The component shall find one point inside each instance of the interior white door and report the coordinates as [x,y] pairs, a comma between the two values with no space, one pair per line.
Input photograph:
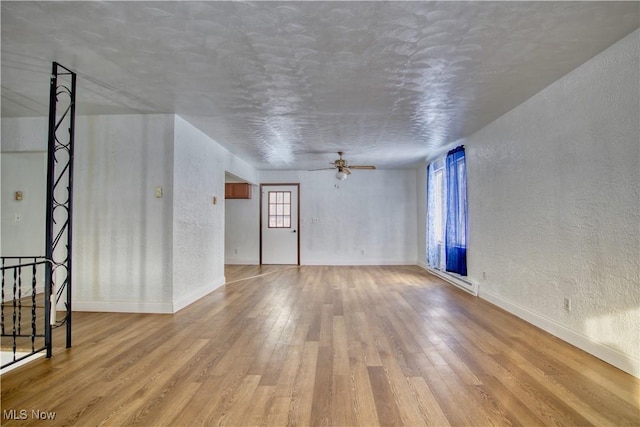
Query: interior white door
[279,225]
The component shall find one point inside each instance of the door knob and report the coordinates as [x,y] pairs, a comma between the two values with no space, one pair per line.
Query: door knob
[293,231]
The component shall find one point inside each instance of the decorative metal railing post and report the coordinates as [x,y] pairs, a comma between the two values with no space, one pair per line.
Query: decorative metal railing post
[59,198]
[2,331]
[22,296]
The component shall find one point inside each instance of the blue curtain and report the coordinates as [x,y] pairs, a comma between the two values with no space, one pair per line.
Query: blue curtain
[456,218]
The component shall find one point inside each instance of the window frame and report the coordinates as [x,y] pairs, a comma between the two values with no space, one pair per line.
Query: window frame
[279,209]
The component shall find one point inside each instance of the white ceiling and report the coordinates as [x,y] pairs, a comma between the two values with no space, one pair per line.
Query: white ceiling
[284,85]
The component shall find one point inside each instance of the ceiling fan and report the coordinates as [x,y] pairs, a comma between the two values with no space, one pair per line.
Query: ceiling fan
[343,167]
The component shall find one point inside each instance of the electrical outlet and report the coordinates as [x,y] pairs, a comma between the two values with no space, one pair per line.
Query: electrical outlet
[235,252]
[159,192]
[567,304]
[484,275]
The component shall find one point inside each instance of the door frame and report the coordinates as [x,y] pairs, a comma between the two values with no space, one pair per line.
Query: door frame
[290,184]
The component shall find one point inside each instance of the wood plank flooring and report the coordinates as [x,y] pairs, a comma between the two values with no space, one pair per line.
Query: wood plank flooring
[341,346]
[233,273]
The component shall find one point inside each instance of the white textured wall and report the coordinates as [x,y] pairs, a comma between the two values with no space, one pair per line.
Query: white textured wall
[198,224]
[122,232]
[554,206]
[22,231]
[372,211]
[24,134]
[24,144]
[122,257]
[23,221]
[239,167]
[133,251]
[242,229]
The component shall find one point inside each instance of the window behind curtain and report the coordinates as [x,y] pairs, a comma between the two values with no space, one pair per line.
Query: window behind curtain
[436,214]
[447,213]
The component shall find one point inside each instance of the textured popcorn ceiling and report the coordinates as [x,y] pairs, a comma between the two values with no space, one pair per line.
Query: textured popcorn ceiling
[285,84]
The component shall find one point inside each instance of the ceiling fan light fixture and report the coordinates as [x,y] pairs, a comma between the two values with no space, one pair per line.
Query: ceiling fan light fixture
[343,168]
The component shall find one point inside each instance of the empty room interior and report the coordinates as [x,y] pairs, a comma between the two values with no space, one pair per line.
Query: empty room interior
[320,213]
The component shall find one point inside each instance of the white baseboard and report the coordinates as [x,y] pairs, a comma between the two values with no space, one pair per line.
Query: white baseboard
[236,261]
[623,361]
[355,262]
[465,285]
[196,294]
[147,307]
[123,306]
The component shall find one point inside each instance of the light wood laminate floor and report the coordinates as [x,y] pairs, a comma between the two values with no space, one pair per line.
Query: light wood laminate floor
[339,346]
[234,273]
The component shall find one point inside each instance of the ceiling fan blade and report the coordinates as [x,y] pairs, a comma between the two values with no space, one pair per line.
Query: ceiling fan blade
[343,166]
[321,169]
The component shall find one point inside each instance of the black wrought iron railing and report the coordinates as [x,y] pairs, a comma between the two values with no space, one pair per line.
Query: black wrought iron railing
[25,308]
[62,107]
[32,287]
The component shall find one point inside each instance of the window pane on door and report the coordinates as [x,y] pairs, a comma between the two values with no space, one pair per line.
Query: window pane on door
[279,209]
